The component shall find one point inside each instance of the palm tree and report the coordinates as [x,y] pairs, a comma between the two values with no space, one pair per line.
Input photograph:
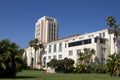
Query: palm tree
[88,54]
[85,57]
[2,65]
[41,52]
[111,21]
[116,70]
[113,29]
[31,45]
[80,57]
[35,44]
[113,64]
[110,63]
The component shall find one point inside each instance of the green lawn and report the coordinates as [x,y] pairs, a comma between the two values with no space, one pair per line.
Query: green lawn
[39,75]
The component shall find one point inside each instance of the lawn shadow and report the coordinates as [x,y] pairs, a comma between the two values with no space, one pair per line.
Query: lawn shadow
[20,77]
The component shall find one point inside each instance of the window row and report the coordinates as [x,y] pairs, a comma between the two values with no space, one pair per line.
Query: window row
[102,34]
[82,42]
[99,40]
[55,57]
[55,48]
[60,56]
[70,53]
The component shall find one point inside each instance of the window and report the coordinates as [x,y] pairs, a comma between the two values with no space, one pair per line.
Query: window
[70,53]
[100,34]
[88,41]
[102,41]
[54,47]
[49,25]
[54,57]
[54,36]
[75,43]
[44,60]
[60,57]
[49,57]
[49,48]
[103,34]
[95,40]
[45,52]
[78,51]
[65,45]
[60,47]
[54,28]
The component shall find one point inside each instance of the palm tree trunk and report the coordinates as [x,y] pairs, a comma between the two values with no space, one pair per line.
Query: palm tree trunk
[117,72]
[114,45]
[35,60]
[41,53]
[110,44]
[31,59]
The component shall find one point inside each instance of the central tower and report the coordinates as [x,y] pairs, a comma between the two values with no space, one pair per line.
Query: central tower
[46,29]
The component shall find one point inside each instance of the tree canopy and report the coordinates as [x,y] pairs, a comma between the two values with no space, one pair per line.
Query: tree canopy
[11,60]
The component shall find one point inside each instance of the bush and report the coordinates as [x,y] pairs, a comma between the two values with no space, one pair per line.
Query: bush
[81,68]
[65,65]
[98,68]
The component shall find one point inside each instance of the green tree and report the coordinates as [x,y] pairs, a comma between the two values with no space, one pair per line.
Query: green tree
[111,21]
[116,70]
[52,63]
[68,65]
[41,46]
[31,43]
[114,28]
[65,65]
[24,66]
[11,60]
[60,67]
[84,60]
[113,64]
[85,57]
[35,44]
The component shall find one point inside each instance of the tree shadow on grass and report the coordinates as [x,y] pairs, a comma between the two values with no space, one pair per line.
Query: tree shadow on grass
[20,77]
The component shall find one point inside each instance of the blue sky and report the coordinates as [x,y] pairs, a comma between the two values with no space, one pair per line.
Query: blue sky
[18,17]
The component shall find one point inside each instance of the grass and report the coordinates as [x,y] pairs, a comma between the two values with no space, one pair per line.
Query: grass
[40,75]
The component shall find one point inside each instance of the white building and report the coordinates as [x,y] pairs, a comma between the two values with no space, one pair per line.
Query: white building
[69,47]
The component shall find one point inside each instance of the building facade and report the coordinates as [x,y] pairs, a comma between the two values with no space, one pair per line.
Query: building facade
[101,41]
